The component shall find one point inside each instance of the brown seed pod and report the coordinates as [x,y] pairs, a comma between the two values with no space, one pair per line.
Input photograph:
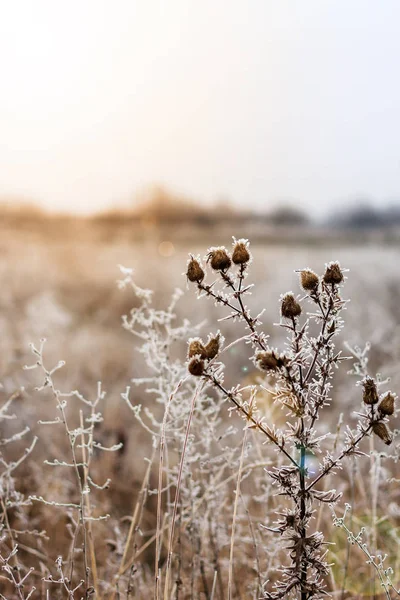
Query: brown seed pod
[194,272]
[386,406]
[212,347]
[370,392]
[219,259]
[309,280]
[382,431]
[333,273]
[196,367]
[290,308]
[240,254]
[196,348]
[270,360]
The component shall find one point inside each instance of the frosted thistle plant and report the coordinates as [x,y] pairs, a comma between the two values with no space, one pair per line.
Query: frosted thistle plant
[300,379]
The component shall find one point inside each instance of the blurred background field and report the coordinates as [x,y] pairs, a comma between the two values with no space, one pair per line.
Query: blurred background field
[59,273]
[59,277]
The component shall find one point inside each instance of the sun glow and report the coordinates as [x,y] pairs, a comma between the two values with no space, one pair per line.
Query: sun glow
[61,85]
[56,63]
[100,98]
[43,60]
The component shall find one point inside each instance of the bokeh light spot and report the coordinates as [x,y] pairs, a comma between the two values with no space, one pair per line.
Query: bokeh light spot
[166,249]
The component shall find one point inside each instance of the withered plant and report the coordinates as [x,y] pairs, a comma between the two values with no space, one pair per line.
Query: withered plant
[300,379]
[76,575]
[14,526]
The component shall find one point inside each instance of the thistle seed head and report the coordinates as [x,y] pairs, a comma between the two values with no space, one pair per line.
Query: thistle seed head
[382,431]
[196,348]
[270,360]
[212,347]
[309,280]
[194,272]
[386,406]
[196,366]
[219,259]
[290,308]
[370,392]
[240,254]
[333,273]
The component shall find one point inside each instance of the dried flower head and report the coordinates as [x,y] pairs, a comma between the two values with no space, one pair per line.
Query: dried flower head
[386,406]
[196,348]
[290,308]
[309,280]
[212,346]
[196,366]
[333,273]
[370,392]
[270,360]
[219,259]
[382,431]
[194,272]
[240,254]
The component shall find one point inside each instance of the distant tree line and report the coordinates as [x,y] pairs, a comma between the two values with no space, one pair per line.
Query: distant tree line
[365,216]
[158,207]
[163,207]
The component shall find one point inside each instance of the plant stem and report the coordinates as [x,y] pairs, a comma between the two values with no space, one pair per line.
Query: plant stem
[303,565]
[249,417]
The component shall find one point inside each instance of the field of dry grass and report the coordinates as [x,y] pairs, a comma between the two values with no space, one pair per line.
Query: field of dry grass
[64,289]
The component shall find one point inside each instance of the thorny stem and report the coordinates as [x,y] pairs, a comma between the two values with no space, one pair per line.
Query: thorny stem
[238,295]
[207,289]
[239,311]
[348,450]
[321,342]
[321,396]
[297,351]
[302,471]
[249,416]
[303,531]
[243,312]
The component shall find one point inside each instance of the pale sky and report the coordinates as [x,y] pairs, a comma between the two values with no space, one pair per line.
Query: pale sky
[255,100]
